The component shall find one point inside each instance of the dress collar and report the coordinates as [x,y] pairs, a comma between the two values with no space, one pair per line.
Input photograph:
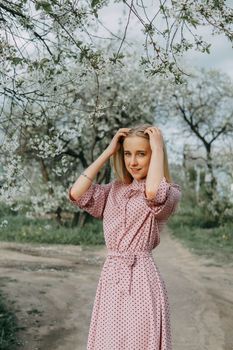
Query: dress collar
[138,184]
[135,185]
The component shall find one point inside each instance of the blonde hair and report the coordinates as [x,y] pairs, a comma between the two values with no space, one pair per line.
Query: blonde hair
[117,159]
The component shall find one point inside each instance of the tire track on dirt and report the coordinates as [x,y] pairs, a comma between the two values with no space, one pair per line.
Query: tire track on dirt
[54,286]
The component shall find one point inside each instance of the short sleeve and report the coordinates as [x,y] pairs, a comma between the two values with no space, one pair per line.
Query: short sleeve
[93,200]
[166,200]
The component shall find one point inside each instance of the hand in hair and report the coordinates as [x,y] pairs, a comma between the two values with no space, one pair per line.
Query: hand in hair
[155,137]
[117,139]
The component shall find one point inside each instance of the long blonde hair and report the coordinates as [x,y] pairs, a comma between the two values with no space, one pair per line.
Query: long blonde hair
[117,159]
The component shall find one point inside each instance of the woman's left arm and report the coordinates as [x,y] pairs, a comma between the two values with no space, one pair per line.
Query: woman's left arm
[155,171]
[165,202]
[161,197]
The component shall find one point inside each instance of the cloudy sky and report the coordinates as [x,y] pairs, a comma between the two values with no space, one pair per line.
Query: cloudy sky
[115,17]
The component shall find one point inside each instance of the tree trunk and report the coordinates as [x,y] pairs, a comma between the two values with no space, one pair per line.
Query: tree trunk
[58,216]
[211,188]
[79,219]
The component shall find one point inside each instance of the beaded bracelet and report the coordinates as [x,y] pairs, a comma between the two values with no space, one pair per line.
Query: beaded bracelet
[87,177]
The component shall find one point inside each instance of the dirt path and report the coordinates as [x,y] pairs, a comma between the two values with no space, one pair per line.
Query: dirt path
[53,287]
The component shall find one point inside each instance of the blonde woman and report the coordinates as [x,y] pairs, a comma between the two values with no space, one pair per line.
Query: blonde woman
[131,307]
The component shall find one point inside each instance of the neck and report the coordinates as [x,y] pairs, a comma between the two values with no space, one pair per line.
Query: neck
[139,180]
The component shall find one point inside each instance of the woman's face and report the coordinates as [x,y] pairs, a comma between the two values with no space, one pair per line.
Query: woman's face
[137,154]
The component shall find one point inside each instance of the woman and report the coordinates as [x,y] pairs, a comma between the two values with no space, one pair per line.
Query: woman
[131,307]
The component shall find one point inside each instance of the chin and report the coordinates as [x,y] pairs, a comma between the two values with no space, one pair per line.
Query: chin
[137,176]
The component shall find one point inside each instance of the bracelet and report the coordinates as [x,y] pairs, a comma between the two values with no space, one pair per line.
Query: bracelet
[87,177]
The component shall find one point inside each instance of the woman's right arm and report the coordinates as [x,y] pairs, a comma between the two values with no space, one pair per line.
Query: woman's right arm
[82,184]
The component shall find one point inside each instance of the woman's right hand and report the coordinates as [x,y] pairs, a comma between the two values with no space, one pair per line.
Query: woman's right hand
[115,143]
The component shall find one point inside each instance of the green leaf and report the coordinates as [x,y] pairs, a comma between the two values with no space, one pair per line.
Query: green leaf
[216,4]
[44,61]
[208,48]
[94,3]
[16,60]
[194,22]
[44,5]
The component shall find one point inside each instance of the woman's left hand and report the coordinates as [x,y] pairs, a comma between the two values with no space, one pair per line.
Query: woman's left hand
[156,137]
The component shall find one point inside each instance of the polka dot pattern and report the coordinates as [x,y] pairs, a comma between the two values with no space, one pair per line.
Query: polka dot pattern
[131,306]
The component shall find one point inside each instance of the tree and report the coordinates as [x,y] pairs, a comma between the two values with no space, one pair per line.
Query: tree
[56,143]
[51,58]
[202,109]
[35,30]
[206,108]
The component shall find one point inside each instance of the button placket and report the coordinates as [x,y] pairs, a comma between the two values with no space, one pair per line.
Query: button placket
[131,192]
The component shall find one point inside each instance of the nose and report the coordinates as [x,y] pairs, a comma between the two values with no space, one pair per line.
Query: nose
[133,161]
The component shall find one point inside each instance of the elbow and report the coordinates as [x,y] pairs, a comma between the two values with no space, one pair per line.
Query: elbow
[72,195]
[150,195]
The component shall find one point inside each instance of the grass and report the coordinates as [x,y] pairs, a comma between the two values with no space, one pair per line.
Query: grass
[24,230]
[191,227]
[189,224]
[8,327]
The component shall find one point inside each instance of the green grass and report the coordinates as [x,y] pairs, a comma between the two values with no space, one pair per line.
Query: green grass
[190,224]
[8,327]
[192,227]
[25,230]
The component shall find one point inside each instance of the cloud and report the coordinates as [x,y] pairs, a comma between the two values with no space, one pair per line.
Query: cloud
[220,56]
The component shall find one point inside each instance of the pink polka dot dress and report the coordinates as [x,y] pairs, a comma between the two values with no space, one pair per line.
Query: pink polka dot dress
[131,307]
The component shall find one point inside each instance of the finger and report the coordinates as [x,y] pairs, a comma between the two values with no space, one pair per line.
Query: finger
[157,129]
[124,129]
[122,133]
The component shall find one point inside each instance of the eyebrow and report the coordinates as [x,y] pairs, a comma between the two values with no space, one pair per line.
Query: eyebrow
[140,150]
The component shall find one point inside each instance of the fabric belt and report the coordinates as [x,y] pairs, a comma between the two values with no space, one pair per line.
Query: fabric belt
[123,268]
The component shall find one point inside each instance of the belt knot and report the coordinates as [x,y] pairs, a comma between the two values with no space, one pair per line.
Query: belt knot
[123,272]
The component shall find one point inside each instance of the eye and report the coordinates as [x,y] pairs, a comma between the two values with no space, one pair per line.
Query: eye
[141,153]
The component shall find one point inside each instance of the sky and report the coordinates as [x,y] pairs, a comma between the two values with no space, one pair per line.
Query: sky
[114,17]
[220,57]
